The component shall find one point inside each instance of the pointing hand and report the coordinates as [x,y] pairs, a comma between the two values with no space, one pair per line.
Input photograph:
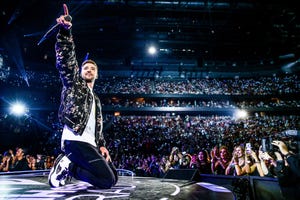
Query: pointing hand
[65,20]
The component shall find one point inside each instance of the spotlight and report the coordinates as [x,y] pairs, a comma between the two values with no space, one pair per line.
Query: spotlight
[152,50]
[241,114]
[18,109]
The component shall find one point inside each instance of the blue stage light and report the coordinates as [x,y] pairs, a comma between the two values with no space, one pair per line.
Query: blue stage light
[18,109]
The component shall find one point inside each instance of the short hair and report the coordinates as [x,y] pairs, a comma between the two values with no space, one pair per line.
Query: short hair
[89,61]
[24,150]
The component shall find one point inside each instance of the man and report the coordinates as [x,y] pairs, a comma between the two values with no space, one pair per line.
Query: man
[287,171]
[21,163]
[85,155]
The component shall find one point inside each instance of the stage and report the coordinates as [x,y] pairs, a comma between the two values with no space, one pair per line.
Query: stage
[34,185]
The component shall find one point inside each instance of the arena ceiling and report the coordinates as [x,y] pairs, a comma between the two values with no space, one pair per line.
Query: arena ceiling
[191,36]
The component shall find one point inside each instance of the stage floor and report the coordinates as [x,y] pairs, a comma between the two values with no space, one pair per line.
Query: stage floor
[35,186]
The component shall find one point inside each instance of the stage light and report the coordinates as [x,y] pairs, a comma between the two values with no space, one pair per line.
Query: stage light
[241,114]
[152,50]
[291,66]
[18,109]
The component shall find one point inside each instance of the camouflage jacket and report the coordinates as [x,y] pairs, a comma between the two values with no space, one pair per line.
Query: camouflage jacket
[76,98]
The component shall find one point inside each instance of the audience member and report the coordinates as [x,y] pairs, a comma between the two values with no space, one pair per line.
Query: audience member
[21,163]
[203,162]
[237,165]
[6,162]
[252,163]
[221,162]
[174,158]
[288,171]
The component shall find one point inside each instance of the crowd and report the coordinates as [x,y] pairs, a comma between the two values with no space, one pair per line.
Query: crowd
[143,143]
[135,137]
[150,145]
[281,84]
[21,160]
[195,103]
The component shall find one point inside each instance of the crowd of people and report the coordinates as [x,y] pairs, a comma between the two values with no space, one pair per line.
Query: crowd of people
[156,136]
[280,84]
[19,159]
[143,143]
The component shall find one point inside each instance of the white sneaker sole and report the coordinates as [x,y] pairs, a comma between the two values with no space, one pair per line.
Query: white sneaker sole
[53,182]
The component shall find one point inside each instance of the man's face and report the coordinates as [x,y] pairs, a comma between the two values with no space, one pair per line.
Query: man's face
[19,153]
[89,72]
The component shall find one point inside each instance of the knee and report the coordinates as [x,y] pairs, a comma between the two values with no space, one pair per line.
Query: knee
[107,183]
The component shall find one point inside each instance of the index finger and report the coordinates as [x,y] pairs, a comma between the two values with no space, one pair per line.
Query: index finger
[66,11]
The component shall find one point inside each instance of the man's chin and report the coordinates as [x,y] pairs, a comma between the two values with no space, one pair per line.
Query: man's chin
[88,80]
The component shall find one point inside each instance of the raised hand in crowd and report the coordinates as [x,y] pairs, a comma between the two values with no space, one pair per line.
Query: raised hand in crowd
[221,162]
[252,164]
[282,146]
[237,163]
[267,163]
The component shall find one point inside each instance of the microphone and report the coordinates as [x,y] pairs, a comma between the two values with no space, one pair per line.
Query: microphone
[53,30]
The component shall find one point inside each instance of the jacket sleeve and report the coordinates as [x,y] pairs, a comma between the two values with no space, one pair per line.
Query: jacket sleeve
[100,140]
[66,62]
[294,164]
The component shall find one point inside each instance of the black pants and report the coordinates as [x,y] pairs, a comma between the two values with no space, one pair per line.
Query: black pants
[89,165]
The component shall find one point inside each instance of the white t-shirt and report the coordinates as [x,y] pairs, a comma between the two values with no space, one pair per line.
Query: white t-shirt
[88,134]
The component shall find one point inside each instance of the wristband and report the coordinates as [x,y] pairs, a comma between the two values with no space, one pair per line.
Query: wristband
[287,155]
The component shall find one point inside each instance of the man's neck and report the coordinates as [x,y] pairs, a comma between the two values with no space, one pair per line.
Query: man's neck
[91,85]
[20,158]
